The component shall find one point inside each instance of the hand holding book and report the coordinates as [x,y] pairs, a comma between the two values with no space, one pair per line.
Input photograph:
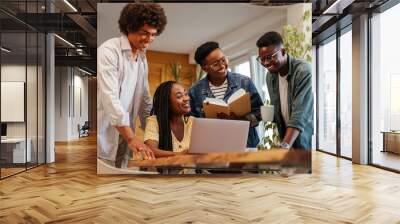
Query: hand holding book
[231,116]
[236,107]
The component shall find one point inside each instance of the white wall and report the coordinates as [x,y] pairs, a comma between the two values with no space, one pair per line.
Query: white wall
[242,41]
[12,73]
[80,115]
[70,84]
[33,127]
[62,83]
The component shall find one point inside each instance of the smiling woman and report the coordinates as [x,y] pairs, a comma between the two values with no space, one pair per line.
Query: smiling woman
[168,130]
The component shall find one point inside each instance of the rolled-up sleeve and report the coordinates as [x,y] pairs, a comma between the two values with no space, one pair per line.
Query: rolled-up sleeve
[302,103]
[108,88]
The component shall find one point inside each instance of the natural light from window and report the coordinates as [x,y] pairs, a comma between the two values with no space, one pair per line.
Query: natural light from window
[243,68]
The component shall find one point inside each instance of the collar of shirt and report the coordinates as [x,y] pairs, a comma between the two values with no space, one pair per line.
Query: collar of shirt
[125,45]
[233,83]
[222,85]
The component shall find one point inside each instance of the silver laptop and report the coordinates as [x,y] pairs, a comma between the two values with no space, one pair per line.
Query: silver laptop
[217,135]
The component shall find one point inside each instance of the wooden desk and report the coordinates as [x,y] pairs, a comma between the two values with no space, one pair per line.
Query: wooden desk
[242,161]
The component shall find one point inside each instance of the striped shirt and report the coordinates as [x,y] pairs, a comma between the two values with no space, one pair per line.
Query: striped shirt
[219,91]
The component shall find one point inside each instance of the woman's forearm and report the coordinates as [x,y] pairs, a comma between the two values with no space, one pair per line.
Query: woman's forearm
[153,145]
[162,153]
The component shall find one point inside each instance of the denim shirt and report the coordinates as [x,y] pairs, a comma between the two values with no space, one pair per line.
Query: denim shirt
[201,89]
[300,102]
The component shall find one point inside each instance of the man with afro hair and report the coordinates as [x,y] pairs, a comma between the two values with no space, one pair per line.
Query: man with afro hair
[123,89]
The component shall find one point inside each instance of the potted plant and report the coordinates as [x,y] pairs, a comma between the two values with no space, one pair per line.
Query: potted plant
[200,73]
[295,41]
[271,137]
[176,71]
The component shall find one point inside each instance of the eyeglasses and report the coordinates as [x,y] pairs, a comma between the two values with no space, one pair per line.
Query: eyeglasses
[268,58]
[215,65]
[145,33]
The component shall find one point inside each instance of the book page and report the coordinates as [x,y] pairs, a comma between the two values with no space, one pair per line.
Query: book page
[215,101]
[211,110]
[236,95]
[241,106]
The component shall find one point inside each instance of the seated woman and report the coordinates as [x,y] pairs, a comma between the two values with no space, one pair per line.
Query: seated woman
[168,130]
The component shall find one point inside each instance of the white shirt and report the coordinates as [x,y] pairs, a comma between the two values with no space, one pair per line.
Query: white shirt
[283,96]
[123,93]
[219,91]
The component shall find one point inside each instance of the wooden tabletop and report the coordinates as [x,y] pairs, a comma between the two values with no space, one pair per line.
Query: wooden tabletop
[281,157]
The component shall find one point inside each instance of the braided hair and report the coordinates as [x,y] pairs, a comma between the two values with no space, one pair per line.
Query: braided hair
[161,109]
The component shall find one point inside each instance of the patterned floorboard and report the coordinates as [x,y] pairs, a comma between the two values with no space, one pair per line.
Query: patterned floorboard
[70,191]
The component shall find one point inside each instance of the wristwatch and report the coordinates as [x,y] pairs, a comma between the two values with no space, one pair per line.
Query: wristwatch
[284,145]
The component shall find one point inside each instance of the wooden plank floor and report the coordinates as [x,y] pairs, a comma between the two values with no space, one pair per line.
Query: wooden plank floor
[70,191]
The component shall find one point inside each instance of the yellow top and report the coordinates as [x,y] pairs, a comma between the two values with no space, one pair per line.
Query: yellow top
[152,133]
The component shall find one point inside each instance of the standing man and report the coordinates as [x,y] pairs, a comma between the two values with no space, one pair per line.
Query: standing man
[123,89]
[289,86]
[221,84]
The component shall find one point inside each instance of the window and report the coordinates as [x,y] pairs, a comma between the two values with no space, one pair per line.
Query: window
[385,85]
[346,94]
[259,74]
[243,68]
[314,89]
[259,79]
[327,97]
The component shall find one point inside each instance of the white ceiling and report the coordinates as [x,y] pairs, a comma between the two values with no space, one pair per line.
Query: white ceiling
[189,24]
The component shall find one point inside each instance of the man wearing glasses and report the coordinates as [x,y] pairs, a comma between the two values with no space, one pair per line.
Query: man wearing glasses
[289,86]
[220,83]
[123,88]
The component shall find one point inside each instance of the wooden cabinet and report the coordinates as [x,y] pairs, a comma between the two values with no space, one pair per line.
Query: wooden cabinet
[391,142]
[160,71]
[156,76]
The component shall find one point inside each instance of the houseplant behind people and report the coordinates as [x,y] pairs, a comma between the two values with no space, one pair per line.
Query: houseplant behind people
[123,89]
[169,128]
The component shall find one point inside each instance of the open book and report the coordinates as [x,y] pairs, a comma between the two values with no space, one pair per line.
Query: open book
[238,103]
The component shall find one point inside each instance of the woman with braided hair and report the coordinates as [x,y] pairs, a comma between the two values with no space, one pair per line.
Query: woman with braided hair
[168,130]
